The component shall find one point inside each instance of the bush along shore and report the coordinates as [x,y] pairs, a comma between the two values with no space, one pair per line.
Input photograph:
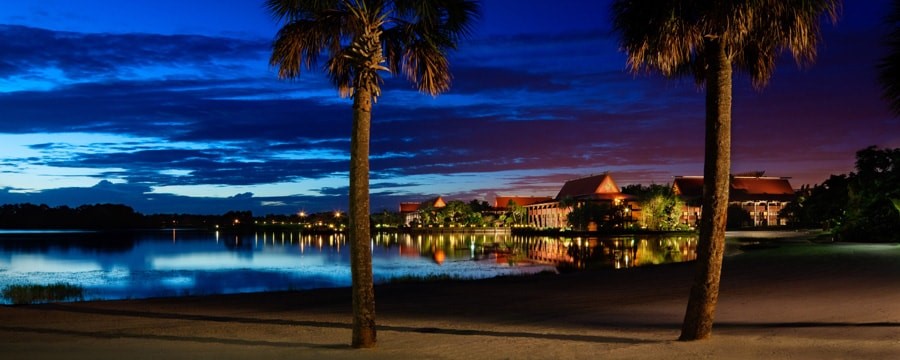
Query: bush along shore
[33,294]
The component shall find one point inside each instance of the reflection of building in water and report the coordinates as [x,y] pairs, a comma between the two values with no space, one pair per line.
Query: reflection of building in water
[547,250]
[762,197]
[615,252]
[572,253]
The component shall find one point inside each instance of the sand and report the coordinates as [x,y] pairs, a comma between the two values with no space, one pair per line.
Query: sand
[796,300]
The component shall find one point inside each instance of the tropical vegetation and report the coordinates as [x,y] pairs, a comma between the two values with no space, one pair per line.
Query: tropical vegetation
[660,207]
[360,40]
[594,216]
[859,206]
[709,40]
[473,213]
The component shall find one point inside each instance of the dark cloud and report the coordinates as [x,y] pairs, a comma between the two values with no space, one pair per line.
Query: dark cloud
[142,200]
[81,55]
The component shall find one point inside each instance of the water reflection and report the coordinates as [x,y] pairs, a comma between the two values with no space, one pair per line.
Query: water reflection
[176,262]
[618,252]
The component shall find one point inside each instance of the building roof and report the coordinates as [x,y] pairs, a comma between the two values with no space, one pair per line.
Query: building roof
[763,188]
[743,188]
[688,187]
[501,202]
[408,207]
[588,186]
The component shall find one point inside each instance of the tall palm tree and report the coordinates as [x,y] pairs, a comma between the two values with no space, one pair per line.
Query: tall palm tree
[708,39]
[889,68]
[361,39]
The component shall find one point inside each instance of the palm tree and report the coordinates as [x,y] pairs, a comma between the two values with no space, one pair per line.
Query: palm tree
[708,39]
[361,39]
[889,68]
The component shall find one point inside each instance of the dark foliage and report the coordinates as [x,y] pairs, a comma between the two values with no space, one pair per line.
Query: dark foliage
[859,206]
[738,217]
[870,213]
[99,216]
[109,217]
[604,216]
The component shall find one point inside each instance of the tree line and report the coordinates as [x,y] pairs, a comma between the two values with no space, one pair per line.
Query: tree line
[107,216]
[863,205]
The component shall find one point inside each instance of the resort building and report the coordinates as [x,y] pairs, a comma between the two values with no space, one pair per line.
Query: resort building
[594,188]
[502,203]
[409,211]
[762,197]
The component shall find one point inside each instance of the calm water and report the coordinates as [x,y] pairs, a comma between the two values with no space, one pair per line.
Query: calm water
[174,262]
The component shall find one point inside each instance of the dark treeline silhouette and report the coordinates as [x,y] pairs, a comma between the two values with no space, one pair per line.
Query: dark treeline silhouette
[109,216]
[860,206]
[103,216]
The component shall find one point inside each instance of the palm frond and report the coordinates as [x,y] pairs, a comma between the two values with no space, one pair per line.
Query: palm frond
[362,38]
[423,33]
[656,36]
[779,25]
[295,47]
[455,18]
[667,35]
[299,43]
[340,72]
[427,67]
[292,10]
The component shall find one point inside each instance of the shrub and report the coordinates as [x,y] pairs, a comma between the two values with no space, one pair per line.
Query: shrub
[31,294]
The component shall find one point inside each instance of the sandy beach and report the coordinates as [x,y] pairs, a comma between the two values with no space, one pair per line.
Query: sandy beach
[795,300]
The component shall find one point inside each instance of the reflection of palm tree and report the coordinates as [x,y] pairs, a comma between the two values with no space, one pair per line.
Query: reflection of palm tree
[708,39]
[359,38]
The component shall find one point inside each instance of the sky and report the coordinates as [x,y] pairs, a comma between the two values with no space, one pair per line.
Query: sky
[171,107]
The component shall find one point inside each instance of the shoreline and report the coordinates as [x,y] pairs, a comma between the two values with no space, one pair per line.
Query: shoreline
[798,300]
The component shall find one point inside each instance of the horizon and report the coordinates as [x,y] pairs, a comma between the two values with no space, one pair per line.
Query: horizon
[171,107]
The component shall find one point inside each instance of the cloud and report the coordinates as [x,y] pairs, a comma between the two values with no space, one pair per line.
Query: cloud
[77,56]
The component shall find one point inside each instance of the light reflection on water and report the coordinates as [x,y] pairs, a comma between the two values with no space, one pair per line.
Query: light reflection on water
[174,263]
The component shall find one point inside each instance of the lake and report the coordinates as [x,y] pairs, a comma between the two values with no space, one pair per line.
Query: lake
[144,264]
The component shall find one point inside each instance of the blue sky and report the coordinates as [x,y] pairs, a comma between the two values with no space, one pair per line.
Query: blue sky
[170,106]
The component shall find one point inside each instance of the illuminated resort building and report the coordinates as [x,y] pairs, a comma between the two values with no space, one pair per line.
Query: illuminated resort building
[409,211]
[503,203]
[552,213]
[761,196]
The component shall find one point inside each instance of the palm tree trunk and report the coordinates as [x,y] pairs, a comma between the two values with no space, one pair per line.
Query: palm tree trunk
[360,241]
[698,319]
